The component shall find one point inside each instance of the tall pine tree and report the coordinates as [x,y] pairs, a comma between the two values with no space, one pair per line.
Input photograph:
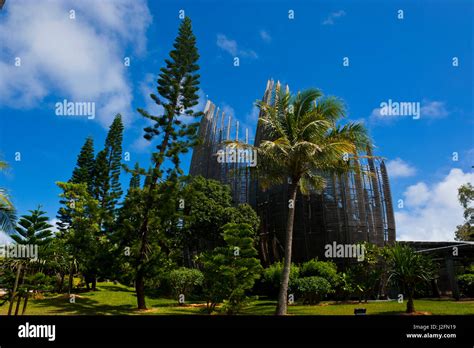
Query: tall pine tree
[178,84]
[107,189]
[135,180]
[82,173]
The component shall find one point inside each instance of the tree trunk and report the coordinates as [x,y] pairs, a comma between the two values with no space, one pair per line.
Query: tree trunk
[283,294]
[410,304]
[61,283]
[71,278]
[140,289]
[94,283]
[25,303]
[15,286]
[143,231]
[17,308]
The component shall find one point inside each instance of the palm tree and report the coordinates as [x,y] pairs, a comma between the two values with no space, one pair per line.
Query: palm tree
[7,211]
[304,142]
[407,269]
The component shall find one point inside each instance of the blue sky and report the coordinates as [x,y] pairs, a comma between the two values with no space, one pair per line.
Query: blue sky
[405,60]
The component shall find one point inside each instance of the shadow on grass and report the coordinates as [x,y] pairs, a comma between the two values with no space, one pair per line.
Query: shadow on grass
[82,306]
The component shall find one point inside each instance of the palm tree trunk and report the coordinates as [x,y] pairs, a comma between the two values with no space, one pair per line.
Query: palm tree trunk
[283,294]
[410,303]
[15,286]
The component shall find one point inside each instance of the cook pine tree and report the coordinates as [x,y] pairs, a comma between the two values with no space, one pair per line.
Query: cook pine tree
[178,85]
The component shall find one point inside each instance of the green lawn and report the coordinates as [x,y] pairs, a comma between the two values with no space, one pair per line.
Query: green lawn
[111,299]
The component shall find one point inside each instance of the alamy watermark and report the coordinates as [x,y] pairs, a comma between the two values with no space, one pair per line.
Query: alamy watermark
[22,251]
[232,154]
[394,108]
[69,108]
[335,250]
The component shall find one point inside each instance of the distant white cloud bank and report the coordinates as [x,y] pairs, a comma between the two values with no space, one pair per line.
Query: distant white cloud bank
[79,59]
[432,212]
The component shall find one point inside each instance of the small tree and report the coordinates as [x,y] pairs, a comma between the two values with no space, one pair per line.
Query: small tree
[231,270]
[82,235]
[206,207]
[408,269]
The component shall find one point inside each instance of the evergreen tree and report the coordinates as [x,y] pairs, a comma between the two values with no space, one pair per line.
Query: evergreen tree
[82,173]
[177,86]
[33,229]
[107,188]
[231,270]
[82,237]
[135,180]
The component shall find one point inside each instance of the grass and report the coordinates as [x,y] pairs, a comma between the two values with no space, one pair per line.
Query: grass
[116,299]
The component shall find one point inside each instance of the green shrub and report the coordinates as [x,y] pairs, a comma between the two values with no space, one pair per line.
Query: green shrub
[184,280]
[323,269]
[313,289]
[272,277]
[466,284]
[469,269]
[347,286]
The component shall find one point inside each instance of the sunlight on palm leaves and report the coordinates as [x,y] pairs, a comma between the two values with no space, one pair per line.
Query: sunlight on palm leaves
[304,141]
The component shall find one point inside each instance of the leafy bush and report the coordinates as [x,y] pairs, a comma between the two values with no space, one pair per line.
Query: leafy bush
[466,284]
[184,280]
[469,269]
[272,277]
[323,269]
[313,289]
[347,286]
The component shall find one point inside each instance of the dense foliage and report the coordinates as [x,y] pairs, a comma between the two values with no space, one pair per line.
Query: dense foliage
[231,270]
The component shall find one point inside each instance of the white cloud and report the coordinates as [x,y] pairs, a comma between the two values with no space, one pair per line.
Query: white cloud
[417,195]
[398,168]
[436,213]
[433,109]
[226,44]
[148,86]
[265,36]
[4,239]
[228,111]
[54,222]
[330,19]
[252,116]
[141,144]
[76,59]
[428,110]
[231,47]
